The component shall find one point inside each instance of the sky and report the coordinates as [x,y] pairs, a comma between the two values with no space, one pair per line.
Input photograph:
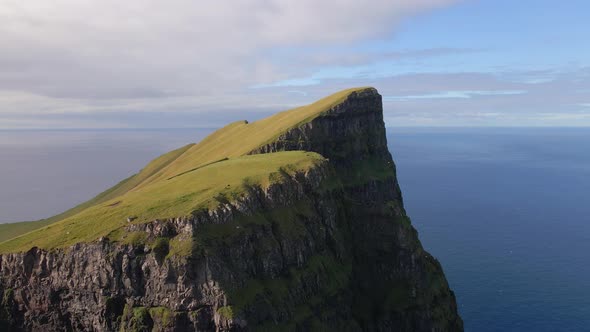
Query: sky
[186,63]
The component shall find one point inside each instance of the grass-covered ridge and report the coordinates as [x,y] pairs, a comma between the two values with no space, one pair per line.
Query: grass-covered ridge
[176,197]
[8,231]
[239,138]
[162,179]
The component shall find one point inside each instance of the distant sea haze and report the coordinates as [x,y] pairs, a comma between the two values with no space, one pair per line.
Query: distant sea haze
[505,210]
[47,172]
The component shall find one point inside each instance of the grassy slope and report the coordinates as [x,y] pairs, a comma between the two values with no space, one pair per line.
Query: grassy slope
[166,199]
[8,231]
[240,137]
[124,186]
[232,141]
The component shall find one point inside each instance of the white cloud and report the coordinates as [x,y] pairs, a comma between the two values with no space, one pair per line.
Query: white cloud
[455,94]
[104,49]
[70,62]
[18,102]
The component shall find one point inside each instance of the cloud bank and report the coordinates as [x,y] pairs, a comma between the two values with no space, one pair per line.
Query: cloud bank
[130,49]
[86,63]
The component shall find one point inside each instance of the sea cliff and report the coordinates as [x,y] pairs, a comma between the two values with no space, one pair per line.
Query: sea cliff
[325,247]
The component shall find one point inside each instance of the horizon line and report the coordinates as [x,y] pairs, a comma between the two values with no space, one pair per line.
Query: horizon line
[219,127]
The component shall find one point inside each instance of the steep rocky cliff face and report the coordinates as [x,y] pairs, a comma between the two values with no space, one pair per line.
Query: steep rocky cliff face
[326,249]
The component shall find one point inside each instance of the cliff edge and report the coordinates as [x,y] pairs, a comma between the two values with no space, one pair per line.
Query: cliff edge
[291,223]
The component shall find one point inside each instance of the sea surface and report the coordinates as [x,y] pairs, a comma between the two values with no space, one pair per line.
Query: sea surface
[505,210]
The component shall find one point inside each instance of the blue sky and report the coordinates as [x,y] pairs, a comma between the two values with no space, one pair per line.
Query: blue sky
[181,64]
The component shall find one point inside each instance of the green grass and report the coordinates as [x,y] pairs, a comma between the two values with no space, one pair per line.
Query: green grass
[161,248]
[11,230]
[140,319]
[124,186]
[176,183]
[177,197]
[287,221]
[241,137]
[163,314]
[180,247]
[325,269]
[361,172]
[226,312]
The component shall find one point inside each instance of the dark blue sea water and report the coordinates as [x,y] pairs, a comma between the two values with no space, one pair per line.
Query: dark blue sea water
[506,211]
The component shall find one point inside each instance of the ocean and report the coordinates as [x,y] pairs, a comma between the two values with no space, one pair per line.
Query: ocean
[505,210]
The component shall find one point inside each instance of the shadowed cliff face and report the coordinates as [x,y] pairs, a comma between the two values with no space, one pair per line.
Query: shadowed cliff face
[350,131]
[327,249]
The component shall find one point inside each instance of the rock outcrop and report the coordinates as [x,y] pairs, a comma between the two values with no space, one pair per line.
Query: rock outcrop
[326,249]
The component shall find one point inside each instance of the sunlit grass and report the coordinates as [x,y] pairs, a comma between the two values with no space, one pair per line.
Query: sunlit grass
[177,197]
[177,182]
[239,138]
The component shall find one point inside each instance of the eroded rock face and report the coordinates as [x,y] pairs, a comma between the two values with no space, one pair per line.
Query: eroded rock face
[327,249]
[349,132]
